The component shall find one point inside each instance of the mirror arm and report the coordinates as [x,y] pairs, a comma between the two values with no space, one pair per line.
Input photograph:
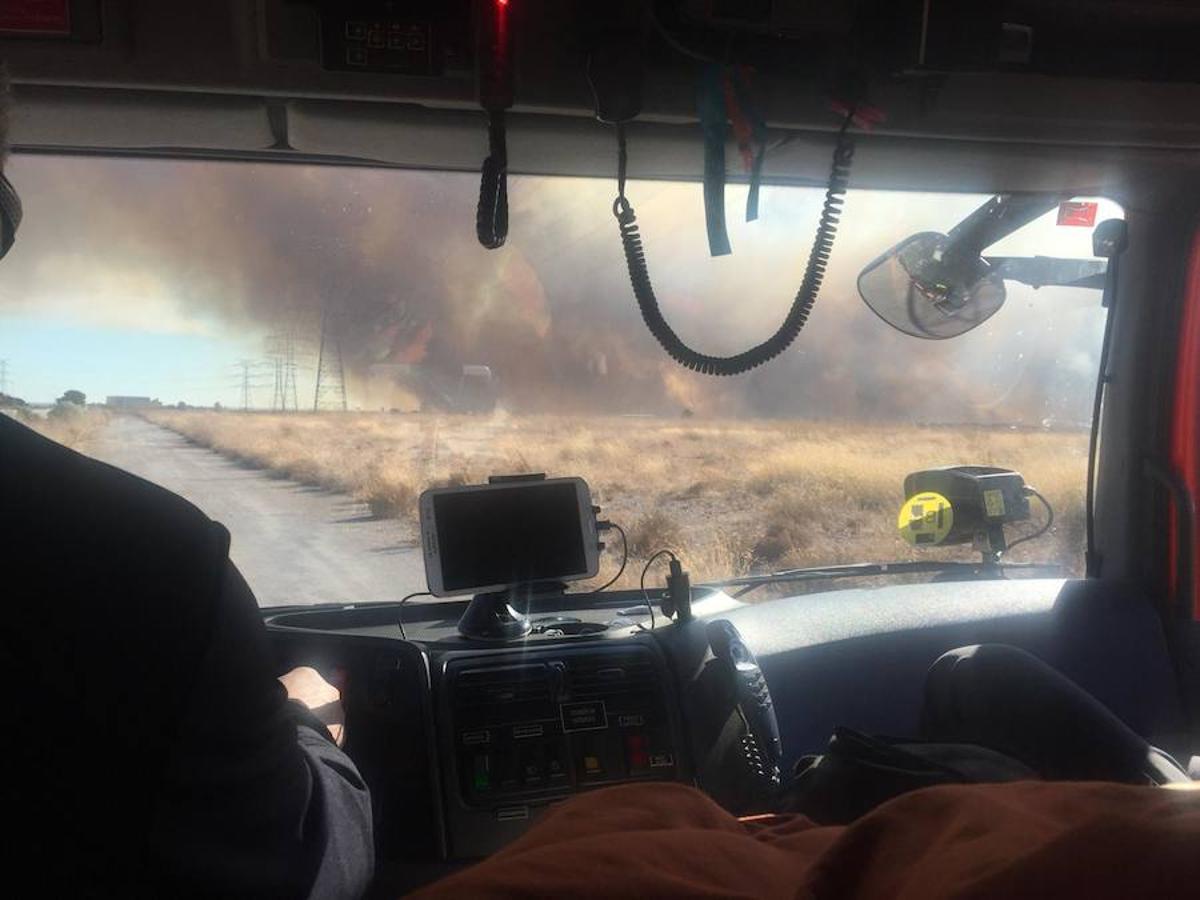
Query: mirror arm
[1046,271]
[997,218]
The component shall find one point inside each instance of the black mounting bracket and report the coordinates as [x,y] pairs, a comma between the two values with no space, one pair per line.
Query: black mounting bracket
[493,617]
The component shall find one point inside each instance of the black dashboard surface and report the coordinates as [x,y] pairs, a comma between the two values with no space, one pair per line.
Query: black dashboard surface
[848,657]
[859,657]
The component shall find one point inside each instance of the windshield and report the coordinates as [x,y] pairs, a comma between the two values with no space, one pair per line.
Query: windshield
[300,350]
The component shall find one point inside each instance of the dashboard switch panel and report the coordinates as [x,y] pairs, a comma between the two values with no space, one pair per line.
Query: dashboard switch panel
[526,732]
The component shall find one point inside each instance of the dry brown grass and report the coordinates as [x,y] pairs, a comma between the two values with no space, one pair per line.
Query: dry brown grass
[71,426]
[730,496]
[656,530]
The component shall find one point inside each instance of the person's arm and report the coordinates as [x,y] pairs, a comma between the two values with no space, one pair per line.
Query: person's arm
[256,800]
[315,701]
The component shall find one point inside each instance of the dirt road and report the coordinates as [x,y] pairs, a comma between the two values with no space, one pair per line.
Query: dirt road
[294,543]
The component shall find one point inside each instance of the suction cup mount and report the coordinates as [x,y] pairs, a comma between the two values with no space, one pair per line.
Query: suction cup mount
[494,617]
[490,617]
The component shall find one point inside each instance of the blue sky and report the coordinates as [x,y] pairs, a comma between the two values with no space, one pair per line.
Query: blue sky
[47,357]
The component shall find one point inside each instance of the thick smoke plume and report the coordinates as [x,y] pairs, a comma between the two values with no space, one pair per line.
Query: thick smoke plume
[391,257]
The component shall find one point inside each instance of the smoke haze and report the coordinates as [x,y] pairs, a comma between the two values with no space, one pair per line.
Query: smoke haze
[216,249]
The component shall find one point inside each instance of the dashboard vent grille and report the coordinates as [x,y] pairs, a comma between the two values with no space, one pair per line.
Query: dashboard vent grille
[491,687]
[601,676]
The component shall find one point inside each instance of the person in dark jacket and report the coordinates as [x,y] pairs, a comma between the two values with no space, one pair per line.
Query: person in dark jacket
[151,750]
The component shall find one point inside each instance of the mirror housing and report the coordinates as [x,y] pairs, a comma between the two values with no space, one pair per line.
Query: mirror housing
[927,287]
[938,286]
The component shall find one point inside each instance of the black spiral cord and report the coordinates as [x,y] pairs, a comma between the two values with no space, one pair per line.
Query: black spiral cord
[818,261]
[491,216]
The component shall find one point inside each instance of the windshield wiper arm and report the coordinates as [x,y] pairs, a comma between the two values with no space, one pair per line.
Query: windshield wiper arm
[980,569]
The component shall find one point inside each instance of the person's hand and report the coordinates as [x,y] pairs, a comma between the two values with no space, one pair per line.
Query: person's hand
[305,685]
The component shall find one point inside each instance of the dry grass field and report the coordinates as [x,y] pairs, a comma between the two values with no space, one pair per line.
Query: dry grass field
[71,426]
[730,497]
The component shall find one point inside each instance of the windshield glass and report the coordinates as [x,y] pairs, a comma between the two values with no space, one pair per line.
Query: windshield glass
[300,350]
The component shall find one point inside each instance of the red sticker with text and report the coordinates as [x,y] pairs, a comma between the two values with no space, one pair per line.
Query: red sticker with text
[1077,212]
[36,16]
[42,17]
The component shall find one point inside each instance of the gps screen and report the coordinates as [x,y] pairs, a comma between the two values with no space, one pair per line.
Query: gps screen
[510,535]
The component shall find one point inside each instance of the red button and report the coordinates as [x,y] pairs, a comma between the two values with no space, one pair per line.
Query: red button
[635,751]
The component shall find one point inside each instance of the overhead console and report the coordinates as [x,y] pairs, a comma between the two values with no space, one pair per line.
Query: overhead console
[279,77]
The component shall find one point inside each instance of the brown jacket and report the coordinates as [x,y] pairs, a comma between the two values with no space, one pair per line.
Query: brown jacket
[1023,839]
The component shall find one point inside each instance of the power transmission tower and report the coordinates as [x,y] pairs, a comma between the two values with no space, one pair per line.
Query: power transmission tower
[289,382]
[245,365]
[281,352]
[277,397]
[331,374]
[3,376]
[247,379]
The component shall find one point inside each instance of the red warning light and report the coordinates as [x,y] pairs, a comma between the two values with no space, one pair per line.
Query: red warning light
[502,2]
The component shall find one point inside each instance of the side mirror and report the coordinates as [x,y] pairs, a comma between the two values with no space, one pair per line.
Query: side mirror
[929,287]
[1110,239]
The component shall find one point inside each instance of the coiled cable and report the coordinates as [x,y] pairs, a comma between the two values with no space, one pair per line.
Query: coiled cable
[810,287]
[491,215]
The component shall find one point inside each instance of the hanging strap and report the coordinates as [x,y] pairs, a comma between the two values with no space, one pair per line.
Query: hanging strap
[749,128]
[710,102]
